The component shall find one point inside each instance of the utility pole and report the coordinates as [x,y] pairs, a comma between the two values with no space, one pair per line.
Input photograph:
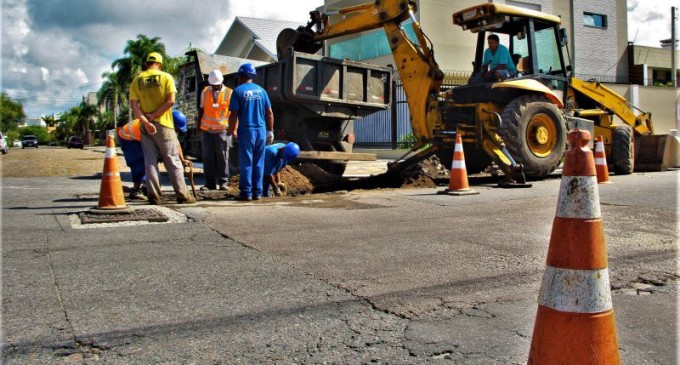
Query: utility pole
[673,40]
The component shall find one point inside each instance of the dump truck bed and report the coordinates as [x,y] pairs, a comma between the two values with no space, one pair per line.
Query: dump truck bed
[315,100]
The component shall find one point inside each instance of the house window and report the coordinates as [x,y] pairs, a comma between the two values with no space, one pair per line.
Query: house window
[594,20]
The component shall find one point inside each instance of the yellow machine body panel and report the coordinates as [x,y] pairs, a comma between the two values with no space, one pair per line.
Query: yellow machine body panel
[530,85]
[611,102]
[494,14]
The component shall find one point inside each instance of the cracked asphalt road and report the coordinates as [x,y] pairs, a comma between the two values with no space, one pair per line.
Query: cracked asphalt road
[392,276]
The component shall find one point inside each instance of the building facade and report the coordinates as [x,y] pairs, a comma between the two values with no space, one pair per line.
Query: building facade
[597,35]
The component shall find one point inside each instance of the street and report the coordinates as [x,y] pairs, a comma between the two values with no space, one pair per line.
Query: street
[391,276]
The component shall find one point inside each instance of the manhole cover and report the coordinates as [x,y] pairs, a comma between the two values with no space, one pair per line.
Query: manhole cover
[136,215]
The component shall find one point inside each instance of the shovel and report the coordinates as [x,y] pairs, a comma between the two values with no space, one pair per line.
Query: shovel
[190,175]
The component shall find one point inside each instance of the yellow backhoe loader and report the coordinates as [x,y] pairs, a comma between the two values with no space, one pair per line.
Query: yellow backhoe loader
[519,123]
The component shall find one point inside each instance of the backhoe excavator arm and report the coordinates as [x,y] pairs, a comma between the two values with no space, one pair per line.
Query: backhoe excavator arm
[611,101]
[414,62]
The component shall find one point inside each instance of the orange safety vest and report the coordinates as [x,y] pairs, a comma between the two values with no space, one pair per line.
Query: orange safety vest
[131,131]
[215,118]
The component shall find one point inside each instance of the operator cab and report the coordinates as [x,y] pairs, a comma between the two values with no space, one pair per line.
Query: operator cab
[534,40]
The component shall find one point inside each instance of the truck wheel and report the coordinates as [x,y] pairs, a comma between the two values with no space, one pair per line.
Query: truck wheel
[622,150]
[476,160]
[535,134]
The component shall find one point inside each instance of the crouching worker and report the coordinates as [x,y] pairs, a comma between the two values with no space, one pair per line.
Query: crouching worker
[276,157]
[130,141]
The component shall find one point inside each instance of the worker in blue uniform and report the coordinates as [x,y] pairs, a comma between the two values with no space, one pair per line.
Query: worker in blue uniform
[276,157]
[252,120]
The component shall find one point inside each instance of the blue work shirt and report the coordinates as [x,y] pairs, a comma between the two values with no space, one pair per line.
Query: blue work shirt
[250,102]
[273,164]
[500,57]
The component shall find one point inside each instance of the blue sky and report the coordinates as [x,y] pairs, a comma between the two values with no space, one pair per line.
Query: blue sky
[54,52]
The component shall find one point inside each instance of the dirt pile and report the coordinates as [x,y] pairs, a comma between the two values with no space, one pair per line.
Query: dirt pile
[297,182]
[308,178]
[421,175]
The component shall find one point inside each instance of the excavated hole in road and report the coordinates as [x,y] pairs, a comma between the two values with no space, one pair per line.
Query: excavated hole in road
[307,178]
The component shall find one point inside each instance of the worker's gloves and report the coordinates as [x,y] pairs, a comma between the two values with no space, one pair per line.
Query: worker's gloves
[230,141]
[270,137]
[283,187]
[277,191]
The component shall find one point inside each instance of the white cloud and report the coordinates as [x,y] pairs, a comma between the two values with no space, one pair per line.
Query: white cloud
[650,21]
[54,52]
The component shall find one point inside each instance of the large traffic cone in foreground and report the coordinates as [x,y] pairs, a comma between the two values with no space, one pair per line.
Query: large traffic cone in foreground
[601,163]
[575,318]
[111,190]
[458,182]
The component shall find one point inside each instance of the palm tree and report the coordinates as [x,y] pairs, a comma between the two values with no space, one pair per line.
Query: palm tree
[136,51]
[66,123]
[106,121]
[111,93]
[86,114]
[50,120]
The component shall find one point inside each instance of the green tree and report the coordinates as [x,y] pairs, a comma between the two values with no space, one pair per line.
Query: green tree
[106,121]
[85,117]
[135,58]
[11,113]
[173,64]
[66,124]
[112,94]
[39,132]
[124,116]
[50,120]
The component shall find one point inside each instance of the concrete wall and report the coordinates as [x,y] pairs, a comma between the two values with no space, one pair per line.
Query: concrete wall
[653,57]
[599,51]
[454,48]
[660,101]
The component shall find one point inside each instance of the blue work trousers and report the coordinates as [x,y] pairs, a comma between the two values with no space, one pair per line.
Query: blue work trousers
[251,143]
[134,158]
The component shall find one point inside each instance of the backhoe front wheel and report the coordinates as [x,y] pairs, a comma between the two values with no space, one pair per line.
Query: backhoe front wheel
[535,134]
[622,150]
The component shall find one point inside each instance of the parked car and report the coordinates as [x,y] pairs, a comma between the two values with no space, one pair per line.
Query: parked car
[29,140]
[75,142]
[16,143]
[3,144]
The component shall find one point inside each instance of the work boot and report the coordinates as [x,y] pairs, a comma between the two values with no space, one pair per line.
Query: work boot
[223,187]
[137,194]
[188,200]
[207,188]
[242,198]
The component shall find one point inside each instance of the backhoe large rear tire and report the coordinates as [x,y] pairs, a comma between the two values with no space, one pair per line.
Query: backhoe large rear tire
[535,134]
[476,160]
[622,150]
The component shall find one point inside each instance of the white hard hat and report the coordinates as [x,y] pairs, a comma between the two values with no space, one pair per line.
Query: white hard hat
[215,77]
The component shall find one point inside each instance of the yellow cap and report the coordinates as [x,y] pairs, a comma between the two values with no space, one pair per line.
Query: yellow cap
[154,57]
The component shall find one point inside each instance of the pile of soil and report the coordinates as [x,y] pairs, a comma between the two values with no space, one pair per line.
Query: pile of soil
[422,175]
[307,178]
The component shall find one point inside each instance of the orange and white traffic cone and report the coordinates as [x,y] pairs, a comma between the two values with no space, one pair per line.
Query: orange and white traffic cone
[111,190]
[458,182]
[575,318]
[601,163]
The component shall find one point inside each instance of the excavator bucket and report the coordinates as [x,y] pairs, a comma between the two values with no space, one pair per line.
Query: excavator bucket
[301,40]
[656,152]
